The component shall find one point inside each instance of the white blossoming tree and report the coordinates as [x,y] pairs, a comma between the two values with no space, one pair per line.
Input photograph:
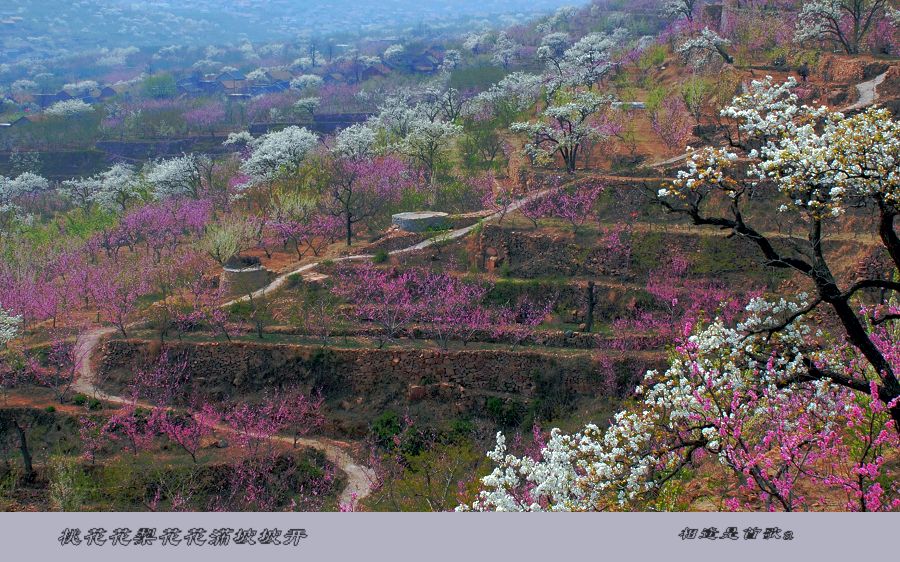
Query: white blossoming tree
[69,108]
[517,91]
[356,142]
[564,129]
[821,163]
[412,124]
[845,22]
[307,82]
[11,190]
[393,53]
[113,189]
[678,9]
[278,154]
[504,50]
[741,397]
[707,47]
[427,143]
[9,327]
[182,176]
[552,50]
[239,140]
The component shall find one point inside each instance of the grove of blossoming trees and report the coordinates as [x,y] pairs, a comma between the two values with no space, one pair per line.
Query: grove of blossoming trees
[208,300]
[779,399]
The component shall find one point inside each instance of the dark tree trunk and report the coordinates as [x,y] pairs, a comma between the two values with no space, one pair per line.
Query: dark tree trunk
[23,448]
[591,303]
[349,229]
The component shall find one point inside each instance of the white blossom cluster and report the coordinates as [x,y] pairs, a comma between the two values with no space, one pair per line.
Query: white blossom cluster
[177,177]
[817,158]
[239,139]
[356,141]
[410,123]
[26,182]
[307,82]
[705,167]
[582,64]
[769,110]
[277,153]
[566,126]
[9,327]
[519,89]
[703,49]
[112,189]
[80,88]
[504,50]
[679,8]
[68,108]
[13,188]
[23,86]
[595,470]
[393,52]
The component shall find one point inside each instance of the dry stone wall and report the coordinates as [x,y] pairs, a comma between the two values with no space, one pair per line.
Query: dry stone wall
[225,370]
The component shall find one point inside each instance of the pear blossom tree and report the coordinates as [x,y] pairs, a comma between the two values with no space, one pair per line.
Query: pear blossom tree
[729,396]
[12,191]
[679,9]
[589,59]
[565,129]
[427,143]
[552,50]
[113,189]
[69,109]
[355,142]
[705,48]
[9,327]
[845,22]
[504,50]
[393,53]
[278,154]
[821,163]
[181,176]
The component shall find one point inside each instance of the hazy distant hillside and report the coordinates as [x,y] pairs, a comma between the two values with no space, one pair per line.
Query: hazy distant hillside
[33,27]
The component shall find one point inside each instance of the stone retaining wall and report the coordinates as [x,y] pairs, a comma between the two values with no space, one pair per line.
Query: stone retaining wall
[223,370]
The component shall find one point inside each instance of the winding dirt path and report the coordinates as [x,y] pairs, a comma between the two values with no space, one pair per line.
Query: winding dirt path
[359,477]
[282,278]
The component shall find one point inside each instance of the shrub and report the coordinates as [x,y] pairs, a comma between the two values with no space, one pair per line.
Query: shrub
[504,414]
[385,428]
[381,256]
[652,57]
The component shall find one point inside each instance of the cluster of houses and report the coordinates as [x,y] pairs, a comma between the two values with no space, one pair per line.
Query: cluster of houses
[234,83]
[92,96]
[237,85]
[45,100]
